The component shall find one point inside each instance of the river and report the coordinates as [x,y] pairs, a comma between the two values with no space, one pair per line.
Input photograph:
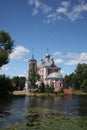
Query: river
[13,109]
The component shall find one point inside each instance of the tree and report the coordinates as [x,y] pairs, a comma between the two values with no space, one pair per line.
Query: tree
[15,82]
[77,79]
[18,82]
[22,82]
[5,85]
[81,73]
[6,46]
[33,77]
[84,85]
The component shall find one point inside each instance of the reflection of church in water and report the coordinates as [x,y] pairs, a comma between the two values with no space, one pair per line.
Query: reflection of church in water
[48,71]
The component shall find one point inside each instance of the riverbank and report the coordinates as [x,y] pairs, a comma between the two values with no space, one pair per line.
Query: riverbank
[21,93]
[79,92]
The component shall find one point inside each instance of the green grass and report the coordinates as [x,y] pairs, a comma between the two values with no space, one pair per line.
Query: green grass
[79,92]
[74,92]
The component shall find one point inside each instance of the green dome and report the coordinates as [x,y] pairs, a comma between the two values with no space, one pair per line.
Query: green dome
[55,75]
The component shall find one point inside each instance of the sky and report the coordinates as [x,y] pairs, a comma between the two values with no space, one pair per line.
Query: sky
[38,27]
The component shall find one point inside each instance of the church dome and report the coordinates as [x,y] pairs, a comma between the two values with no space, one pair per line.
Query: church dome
[47,56]
[55,75]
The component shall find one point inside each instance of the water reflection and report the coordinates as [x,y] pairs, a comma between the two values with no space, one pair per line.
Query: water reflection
[66,105]
[5,107]
[12,109]
[82,105]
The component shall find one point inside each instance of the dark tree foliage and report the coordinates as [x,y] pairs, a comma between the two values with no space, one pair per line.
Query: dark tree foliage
[5,85]
[84,85]
[3,57]
[81,73]
[78,78]
[71,81]
[42,87]
[6,46]
[22,82]
[18,82]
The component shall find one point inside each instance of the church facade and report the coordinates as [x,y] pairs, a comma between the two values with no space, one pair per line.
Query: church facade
[48,71]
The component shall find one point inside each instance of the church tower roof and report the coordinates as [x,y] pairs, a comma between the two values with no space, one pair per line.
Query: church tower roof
[32,59]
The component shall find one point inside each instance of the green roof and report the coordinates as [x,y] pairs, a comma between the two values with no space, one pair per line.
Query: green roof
[55,75]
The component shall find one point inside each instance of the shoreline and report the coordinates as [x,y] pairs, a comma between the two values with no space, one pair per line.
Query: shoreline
[25,93]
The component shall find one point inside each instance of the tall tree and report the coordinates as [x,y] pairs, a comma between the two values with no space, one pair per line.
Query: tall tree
[81,73]
[6,46]
[33,77]
[22,82]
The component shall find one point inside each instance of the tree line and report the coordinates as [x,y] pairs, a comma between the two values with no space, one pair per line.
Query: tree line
[8,85]
[77,79]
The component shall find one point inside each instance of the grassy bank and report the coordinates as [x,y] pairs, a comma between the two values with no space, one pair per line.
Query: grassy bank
[21,93]
[79,92]
[74,92]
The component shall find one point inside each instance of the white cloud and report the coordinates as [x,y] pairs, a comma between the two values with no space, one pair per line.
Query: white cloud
[72,55]
[58,61]
[57,53]
[63,72]
[5,68]
[39,6]
[65,4]
[72,12]
[65,9]
[62,10]
[70,58]
[18,52]
[80,58]
[35,11]
[77,11]
[83,57]
[71,62]
[30,2]
[51,18]
[46,9]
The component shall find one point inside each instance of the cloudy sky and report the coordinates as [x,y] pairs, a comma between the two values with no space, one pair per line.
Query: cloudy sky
[59,25]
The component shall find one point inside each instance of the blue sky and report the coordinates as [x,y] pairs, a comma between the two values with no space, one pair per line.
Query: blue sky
[59,25]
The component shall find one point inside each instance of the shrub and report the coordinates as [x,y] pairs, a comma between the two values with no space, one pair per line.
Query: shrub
[49,89]
[42,88]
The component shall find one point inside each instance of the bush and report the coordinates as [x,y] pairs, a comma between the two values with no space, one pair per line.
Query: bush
[42,88]
[49,89]
[5,85]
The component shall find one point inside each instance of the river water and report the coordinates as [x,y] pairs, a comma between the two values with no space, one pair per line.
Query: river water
[13,109]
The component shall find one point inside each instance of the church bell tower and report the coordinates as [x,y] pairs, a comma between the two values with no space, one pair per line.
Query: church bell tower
[32,64]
